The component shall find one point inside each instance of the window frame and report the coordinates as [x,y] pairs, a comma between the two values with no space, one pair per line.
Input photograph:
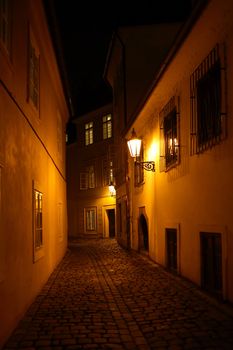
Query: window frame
[38,232]
[33,90]
[87,178]
[170,134]
[90,226]
[208,122]
[107,126]
[89,133]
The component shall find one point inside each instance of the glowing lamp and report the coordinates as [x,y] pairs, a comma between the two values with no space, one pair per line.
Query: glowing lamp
[134,146]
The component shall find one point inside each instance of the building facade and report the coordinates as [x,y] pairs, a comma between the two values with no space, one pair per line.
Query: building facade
[134,57]
[33,115]
[90,172]
[181,214]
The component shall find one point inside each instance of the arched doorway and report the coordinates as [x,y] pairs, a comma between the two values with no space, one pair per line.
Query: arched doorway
[143,233]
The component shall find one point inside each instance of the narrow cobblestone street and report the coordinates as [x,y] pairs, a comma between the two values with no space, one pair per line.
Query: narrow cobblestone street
[103,297]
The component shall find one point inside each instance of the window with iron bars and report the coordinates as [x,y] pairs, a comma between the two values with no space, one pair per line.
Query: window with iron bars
[169,135]
[208,105]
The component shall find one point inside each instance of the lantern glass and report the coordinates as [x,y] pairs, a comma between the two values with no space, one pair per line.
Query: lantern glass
[134,145]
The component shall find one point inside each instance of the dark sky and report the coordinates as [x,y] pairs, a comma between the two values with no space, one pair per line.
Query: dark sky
[86,28]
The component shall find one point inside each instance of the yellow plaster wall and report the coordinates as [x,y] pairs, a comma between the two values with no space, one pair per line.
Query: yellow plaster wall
[197,195]
[28,153]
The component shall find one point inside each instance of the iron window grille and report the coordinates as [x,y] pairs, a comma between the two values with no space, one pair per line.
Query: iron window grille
[208,102]
[169,135]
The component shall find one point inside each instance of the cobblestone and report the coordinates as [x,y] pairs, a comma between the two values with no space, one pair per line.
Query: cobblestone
[104,297]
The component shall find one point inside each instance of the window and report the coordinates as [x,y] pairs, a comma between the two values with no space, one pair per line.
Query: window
[87,178]
[5,27]
[90,217]
[107,170]
[107,126]
[91,176]
[83,181]
[138,169]
[169,134]
[33,73]
[37,224]
[208,120]
[88,133]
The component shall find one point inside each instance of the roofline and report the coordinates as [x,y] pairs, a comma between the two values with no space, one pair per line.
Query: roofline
[109,54]
[181,36]
[59,52]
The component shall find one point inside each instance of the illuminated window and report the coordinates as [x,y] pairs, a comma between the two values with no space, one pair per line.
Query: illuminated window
[37,223]
[88,133]
[208,122]
[5,27]
[87,178]
[107,126]
[107,170]
[33,73]
[90,217]
[170,138]
[91,176]
[169,134]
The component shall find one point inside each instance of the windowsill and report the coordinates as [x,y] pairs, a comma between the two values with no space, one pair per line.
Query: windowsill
[38,254]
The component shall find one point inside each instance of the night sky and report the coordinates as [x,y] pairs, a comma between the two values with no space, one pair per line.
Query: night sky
[85,30]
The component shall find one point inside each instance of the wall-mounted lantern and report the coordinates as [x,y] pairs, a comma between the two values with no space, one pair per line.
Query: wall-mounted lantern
[112,189]
[134,145]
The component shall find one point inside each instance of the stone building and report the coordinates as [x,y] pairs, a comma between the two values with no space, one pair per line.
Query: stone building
[181,214]
[33,115]
[90,172]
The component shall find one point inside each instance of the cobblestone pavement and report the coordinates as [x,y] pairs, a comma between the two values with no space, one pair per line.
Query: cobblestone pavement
[103,297]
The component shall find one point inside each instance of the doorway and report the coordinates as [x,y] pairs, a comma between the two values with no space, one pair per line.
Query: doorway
[143,234]
[211,262]
[109,225]
[171,249]
[111,222]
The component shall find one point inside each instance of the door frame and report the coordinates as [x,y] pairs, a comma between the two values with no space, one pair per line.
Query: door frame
[105,208]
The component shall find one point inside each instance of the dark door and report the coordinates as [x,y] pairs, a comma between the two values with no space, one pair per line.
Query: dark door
[143,233]
[171,239]
[211,262]
[111,222]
